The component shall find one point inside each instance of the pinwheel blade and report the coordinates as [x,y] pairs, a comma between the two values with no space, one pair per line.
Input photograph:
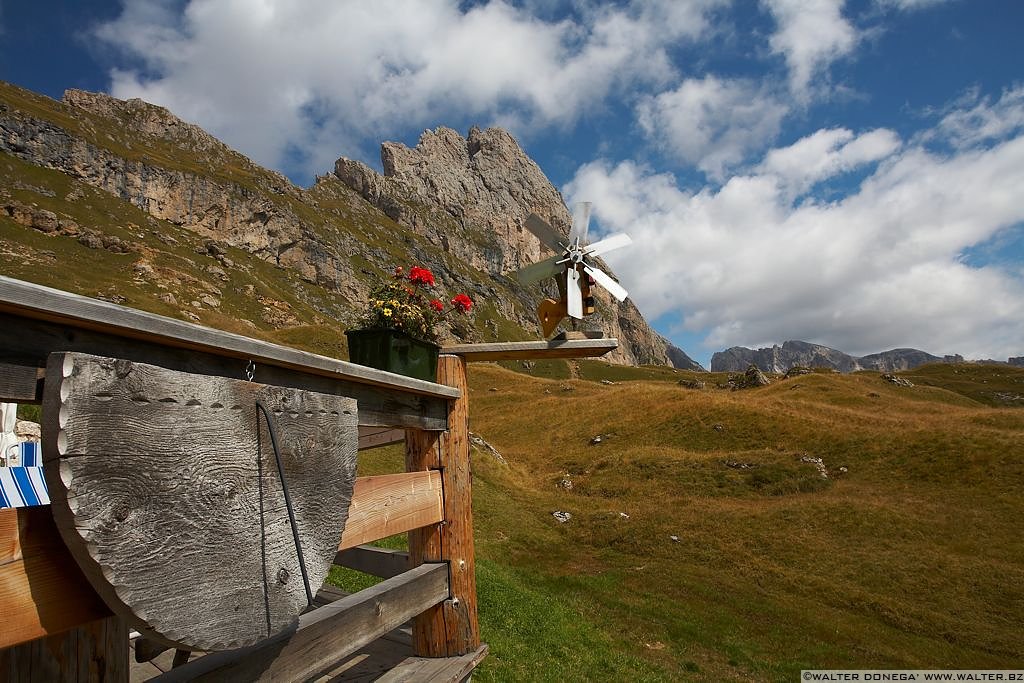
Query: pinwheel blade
[547,235]
[580,222]
[608,243]
[602,278]
[540,270]
[573,295]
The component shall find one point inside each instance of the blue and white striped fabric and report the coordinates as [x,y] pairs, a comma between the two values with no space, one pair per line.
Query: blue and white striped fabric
[31,455]
[22,487]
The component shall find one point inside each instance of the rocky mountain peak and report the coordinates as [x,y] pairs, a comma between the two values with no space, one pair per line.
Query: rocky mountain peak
[471,195]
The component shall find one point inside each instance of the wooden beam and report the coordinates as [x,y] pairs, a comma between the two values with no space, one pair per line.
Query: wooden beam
[21,383]
[43,592]
[325,635]
[375,437]
[389,504]
[449,629]
[36,302]
[382,562]
[535,350]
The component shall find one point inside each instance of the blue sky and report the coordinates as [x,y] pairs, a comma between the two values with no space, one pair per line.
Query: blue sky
[843,172]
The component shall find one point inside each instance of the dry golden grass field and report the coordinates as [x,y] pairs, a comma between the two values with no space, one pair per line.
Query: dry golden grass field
[705,544]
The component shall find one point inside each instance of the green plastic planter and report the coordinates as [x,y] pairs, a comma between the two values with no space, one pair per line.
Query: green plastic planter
[393,351]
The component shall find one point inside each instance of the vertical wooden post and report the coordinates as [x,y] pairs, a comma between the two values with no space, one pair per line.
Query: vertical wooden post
[449,629]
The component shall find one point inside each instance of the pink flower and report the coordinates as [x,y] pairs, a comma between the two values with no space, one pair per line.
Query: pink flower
[462,302]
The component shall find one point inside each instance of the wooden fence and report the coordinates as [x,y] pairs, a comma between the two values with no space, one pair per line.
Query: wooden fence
[55,625]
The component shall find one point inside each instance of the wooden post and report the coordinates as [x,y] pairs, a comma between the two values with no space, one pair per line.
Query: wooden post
[449,629]
[96,652]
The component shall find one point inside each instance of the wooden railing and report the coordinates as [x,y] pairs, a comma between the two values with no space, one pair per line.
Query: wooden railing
[54,623]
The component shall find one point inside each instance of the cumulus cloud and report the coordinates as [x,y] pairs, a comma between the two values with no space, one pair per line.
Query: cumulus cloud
[879,269]
[712,123]
[810,35]
[825,154]
[282,79]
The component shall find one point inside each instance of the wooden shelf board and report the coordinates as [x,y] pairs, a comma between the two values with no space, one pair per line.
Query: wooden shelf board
[534,350]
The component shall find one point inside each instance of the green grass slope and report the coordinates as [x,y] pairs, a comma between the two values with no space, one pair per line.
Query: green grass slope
[911,557]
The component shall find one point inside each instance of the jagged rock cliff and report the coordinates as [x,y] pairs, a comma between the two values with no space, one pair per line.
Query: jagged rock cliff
[803,354]
[455,204]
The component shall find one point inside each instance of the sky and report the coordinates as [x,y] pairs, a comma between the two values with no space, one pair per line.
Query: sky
[845,172]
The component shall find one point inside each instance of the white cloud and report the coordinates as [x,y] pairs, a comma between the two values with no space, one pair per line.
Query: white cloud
[910,5]
[712,123]
[974,119]
[282,77]
[882,268]
[825,154]
[810,35]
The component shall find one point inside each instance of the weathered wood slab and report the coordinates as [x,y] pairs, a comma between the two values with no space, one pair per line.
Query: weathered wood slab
[535,350]
[166,491]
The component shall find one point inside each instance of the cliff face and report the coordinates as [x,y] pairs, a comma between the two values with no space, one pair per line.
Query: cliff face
[454,204]
[471,195]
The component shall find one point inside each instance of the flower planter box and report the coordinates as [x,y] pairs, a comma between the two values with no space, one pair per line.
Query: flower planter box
[393,351]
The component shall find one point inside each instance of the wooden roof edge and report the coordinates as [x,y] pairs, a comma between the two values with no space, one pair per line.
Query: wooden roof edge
[38,302]
[534,350]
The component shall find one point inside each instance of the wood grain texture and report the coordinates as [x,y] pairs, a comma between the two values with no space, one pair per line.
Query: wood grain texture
[326,635]
[34,301]
[96,652]
[389,504]
[382,562]
[42,590]
[451,628]
[375,437]
[166,491]
[20,383]
[535,350]
[27,341]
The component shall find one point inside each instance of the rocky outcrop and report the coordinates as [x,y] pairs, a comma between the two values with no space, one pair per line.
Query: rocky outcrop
[471,195]
[779,359]
[680,360]
[791,354]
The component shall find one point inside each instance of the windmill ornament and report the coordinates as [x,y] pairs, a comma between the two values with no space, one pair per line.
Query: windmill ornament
[570,267]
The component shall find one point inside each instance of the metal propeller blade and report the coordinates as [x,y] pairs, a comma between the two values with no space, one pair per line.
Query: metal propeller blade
[573,295]
[538,271]
[602,278]
[544,232]
[580,222]
[608,243]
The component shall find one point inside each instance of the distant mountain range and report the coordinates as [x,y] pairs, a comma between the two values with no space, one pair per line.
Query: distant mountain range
[800,353]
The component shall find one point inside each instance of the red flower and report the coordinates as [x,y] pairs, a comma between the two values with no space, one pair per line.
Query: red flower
[437,305]
[462,302]
[421,276]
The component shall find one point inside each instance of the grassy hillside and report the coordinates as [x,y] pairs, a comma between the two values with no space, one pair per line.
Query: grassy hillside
[911,557]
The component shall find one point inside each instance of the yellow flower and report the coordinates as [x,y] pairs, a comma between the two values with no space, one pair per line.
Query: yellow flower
[387,312]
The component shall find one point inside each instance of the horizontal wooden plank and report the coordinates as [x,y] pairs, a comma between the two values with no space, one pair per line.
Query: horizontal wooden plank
[42,590]
[20,383]
[327,634]
[533,350]
[32,301]
[375,437]
[389,504]
[382,562]
[435,669]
